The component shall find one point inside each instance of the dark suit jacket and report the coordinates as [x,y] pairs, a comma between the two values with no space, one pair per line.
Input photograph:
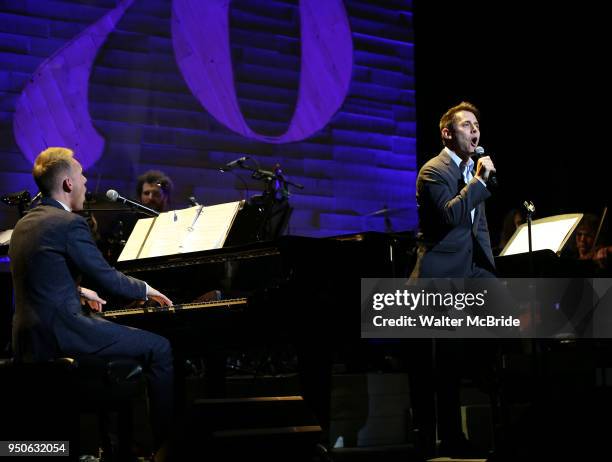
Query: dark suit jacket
[448,240]
[50,248]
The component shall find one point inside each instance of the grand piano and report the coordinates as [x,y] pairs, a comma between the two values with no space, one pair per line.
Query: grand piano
[286,284]
[293,290]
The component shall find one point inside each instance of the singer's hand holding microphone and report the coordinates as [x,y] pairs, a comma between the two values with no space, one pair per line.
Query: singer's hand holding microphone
[485,169]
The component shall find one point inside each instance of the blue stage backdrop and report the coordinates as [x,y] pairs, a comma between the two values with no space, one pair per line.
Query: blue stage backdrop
[324,88]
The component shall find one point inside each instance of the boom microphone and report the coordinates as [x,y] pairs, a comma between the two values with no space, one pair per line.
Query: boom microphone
[114,196]
[233,163]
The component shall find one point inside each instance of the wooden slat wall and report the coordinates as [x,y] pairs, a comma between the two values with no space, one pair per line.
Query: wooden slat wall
[363,159]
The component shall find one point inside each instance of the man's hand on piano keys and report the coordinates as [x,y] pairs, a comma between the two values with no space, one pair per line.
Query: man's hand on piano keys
[158,296]
[91,299]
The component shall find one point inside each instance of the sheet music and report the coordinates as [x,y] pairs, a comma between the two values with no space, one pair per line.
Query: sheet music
[5,236]
[180,231]
[137,238]
[168,233]
[547,233]
[210,228]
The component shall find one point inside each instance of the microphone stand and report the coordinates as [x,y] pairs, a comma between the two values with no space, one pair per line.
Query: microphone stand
[138,207]
[274,200]
[269,177]
[530,208]
[134,210]
[134,206]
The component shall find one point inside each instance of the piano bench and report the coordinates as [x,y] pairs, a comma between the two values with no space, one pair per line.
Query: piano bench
[45,400]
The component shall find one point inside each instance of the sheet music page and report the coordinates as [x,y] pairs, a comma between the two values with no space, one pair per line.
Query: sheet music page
[169,232]
[210,229]
[136,239]
[5,236]
[179,231]
[547,235]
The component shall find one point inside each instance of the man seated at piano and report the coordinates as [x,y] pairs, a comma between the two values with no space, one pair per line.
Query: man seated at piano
[51,248]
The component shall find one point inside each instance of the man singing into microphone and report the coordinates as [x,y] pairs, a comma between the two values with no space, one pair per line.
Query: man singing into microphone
[453,242]
[453,233]
[50,249]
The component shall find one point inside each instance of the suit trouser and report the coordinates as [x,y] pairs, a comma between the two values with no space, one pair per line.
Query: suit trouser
[436,368]
[155,353]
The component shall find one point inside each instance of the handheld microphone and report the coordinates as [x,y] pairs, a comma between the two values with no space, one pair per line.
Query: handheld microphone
[233,163]
[114,196]
[480,151]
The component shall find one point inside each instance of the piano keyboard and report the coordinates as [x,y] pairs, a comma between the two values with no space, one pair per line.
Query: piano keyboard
[145,310]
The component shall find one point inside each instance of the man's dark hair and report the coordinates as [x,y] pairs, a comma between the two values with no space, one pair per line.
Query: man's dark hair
[446,121]
[155,177]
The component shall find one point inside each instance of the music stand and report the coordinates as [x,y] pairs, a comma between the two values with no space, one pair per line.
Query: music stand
[549,237]
[550,233]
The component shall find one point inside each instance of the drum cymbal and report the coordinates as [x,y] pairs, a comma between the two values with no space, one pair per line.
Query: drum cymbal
[387,212]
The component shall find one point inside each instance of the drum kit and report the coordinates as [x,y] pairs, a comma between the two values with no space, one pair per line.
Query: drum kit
[387,213]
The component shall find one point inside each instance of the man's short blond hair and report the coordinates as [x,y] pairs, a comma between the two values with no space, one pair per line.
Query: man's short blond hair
[49,166]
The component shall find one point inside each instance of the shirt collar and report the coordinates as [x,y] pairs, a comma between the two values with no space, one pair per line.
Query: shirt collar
[64,205]
[458,161]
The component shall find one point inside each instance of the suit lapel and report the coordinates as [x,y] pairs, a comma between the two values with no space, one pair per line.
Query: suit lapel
[452,169]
